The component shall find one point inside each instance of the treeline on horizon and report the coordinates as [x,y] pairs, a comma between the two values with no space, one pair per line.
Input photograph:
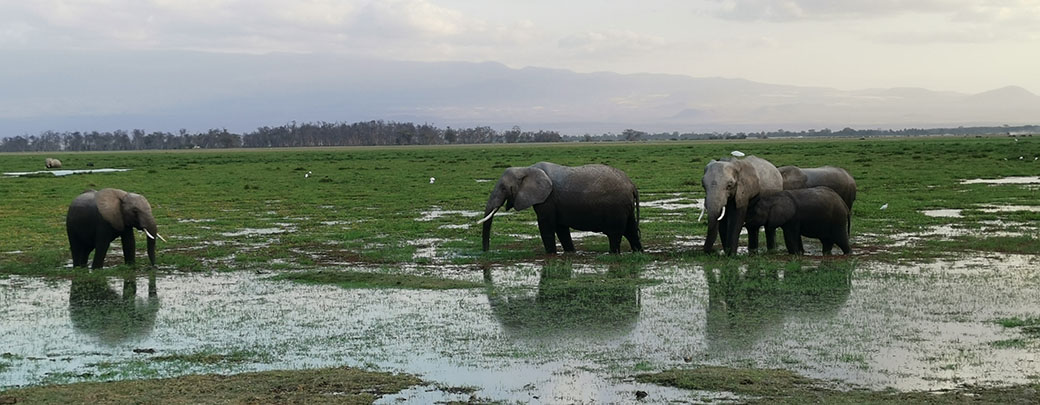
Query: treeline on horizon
[373,133]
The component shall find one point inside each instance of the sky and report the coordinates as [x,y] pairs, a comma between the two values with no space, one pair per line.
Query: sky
[956,45]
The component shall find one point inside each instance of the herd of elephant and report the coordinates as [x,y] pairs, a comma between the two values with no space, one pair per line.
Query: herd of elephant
[747,192]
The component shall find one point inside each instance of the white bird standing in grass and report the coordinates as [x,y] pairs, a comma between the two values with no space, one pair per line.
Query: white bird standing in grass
[737,153]
[884,206]
[432,180]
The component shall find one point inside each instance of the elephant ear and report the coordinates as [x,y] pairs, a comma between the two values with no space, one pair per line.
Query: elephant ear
[534,189]
[109,205]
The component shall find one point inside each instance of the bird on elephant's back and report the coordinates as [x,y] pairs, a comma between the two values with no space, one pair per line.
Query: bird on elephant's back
[594,198]
[96,218]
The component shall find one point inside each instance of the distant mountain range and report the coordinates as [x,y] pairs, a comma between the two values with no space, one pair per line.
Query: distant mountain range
[90,90]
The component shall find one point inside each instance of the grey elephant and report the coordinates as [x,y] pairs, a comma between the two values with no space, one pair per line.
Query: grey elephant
[816,212]
[594,198]
[836,178]
[96,218]
[729,187]
[52,163]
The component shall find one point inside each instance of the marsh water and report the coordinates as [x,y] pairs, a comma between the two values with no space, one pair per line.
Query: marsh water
[538,332]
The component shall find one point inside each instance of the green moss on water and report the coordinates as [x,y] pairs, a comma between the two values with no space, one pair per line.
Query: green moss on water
[357,279]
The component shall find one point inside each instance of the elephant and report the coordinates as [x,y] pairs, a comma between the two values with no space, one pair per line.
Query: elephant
[730,185]
[98,310]
[836,178]
[595,198]
[96,218]
[816,212]
[52,163]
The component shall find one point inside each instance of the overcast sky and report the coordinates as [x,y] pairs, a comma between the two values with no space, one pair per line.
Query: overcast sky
[960,45]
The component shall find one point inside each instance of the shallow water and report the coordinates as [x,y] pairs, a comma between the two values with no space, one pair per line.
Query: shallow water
[538,333]
[64,172]
[1005,180]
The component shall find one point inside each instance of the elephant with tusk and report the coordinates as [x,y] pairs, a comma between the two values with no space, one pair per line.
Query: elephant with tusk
[96,218]
[730,185]
[594,198]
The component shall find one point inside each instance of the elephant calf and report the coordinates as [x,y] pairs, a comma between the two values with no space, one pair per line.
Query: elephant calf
[816,212]
[96,218]
[594,198]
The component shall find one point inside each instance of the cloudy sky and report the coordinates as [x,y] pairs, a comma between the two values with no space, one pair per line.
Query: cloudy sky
[960,45]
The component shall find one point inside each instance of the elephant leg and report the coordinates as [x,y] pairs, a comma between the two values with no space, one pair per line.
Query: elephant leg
[792,240]
[128,246]
[564,233]
[547,228]
[615,242]
[752,239]
[770,239]
[735,223]
[843,243]
[632,234]
[80,252]
[100,250]
[828,245]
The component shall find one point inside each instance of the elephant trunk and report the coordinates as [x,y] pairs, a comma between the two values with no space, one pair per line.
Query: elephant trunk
[494,202]
[714,208]
[151,231]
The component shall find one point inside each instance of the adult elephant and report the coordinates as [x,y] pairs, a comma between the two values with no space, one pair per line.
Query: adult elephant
[729,187]
[594,198]
[835,178]
[96,218]
[52,163]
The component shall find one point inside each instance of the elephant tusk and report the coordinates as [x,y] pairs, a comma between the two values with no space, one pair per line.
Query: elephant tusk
[160,237]
[488,216]
[701,215]
[722,214]
[149,235]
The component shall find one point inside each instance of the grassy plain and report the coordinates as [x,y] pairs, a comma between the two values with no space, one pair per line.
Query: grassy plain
[368,204]
[229,210]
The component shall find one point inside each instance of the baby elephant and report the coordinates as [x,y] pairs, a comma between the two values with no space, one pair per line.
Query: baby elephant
[816,212]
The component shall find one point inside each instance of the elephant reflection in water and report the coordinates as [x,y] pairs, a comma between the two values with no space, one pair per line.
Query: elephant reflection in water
[567,303]
[98,310]
[747,302]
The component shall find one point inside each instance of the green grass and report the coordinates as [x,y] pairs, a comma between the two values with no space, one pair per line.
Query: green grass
[363,204]
[357,279]
[773,386]
[322,386]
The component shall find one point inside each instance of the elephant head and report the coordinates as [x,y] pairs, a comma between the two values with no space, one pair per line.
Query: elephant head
[518,188]
[122,210]
[731,184]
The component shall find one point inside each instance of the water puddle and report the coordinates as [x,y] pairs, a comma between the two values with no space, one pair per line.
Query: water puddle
[675,203]
[1005,180]
[943,213]
[257,231]
[59,173]
[437,213]
[544,332]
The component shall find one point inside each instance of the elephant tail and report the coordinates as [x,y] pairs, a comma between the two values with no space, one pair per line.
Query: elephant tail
[635,193]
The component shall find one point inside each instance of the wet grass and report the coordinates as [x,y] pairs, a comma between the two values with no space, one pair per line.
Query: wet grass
[323,386]
[358,279]
[774,386]
[369,202]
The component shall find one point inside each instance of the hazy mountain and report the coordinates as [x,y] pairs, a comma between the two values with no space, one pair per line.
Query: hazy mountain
[198,91]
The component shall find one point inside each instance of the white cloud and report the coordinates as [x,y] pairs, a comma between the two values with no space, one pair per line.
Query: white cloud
[793,10]
[615,42]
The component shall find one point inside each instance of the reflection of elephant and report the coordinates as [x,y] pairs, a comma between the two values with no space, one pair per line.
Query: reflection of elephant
[52,163]
[729,186]
[96,218]
[563,302]
[836,178]
[593,198]
[745,306]
[816,212]
[98,310]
